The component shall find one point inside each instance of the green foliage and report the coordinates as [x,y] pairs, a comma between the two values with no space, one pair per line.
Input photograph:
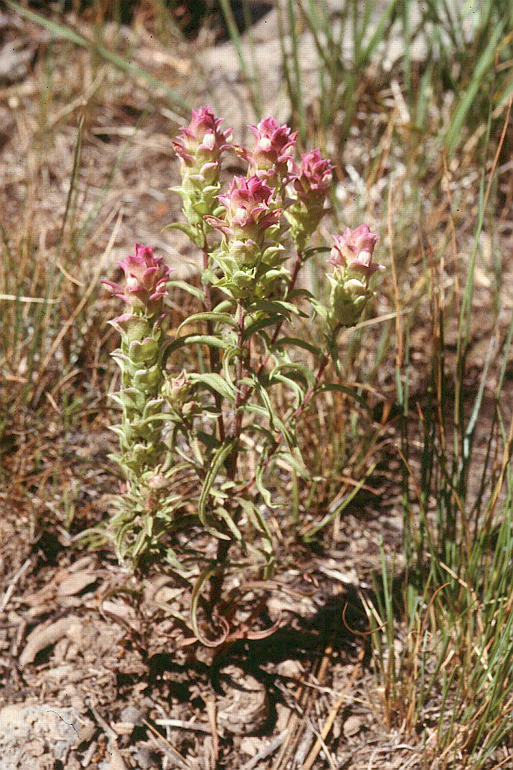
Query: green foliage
[217,431]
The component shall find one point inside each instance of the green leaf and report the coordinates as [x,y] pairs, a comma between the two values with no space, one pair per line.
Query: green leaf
[214,382]
[261,323]
[216,464]
[198,339]
[190,230]
[211,316]
[301,370]
[255,516]
[194,290]
[225,516]
[284,342]
[289,383]
[276,423]
[230,354]
[204,576]
[261,412]
[335,387]
[296,463]
[266,495]
[308,253]
[296,293]
[277,307]
[310,534]
[225,304]
[210,441]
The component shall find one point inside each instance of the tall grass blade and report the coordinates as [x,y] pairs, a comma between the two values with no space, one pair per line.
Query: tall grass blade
[483,66]
[252,78]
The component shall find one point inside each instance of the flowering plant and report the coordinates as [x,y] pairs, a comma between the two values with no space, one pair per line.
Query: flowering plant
[198,449]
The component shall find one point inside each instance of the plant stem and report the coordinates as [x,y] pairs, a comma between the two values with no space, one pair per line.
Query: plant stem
[293,279]
[223,546]
[213,352]
[299,411]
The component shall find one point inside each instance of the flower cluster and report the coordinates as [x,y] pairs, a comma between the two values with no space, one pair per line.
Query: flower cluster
[200,148]
[354,249]
[351,256]
[140,356]
[145,286]
[246,219]
[272,155]
[311,181]
[201,144]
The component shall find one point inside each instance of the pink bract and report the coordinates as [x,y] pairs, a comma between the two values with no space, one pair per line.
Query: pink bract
[202,140]
[146,277]
[274,146]
[248,213]
[354,249]
[313,176]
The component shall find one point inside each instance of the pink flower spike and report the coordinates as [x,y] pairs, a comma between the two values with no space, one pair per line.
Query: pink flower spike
[351,244]
[146,279]
[274,146]
[312,178]
[248,213]
[360,239]
[354,249]
[202,140]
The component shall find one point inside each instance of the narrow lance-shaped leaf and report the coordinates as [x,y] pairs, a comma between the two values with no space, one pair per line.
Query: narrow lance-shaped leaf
[211,317]
[217,462]
[214,382]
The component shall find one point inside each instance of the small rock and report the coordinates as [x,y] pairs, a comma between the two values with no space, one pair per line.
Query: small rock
[14,61]
[289,668]
[132,715]
[75,583]
[35,725]
[145,757]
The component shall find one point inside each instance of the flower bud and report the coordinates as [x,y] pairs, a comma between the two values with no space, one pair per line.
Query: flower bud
[176,390]
[201,145]
[312,178]
[351,256]
[354,249]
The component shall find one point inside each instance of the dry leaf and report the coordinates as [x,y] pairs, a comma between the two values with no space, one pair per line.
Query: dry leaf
[75,583]
[44,637]
[352,726]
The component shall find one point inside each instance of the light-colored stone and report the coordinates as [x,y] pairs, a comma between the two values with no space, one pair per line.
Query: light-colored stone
[36,730]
